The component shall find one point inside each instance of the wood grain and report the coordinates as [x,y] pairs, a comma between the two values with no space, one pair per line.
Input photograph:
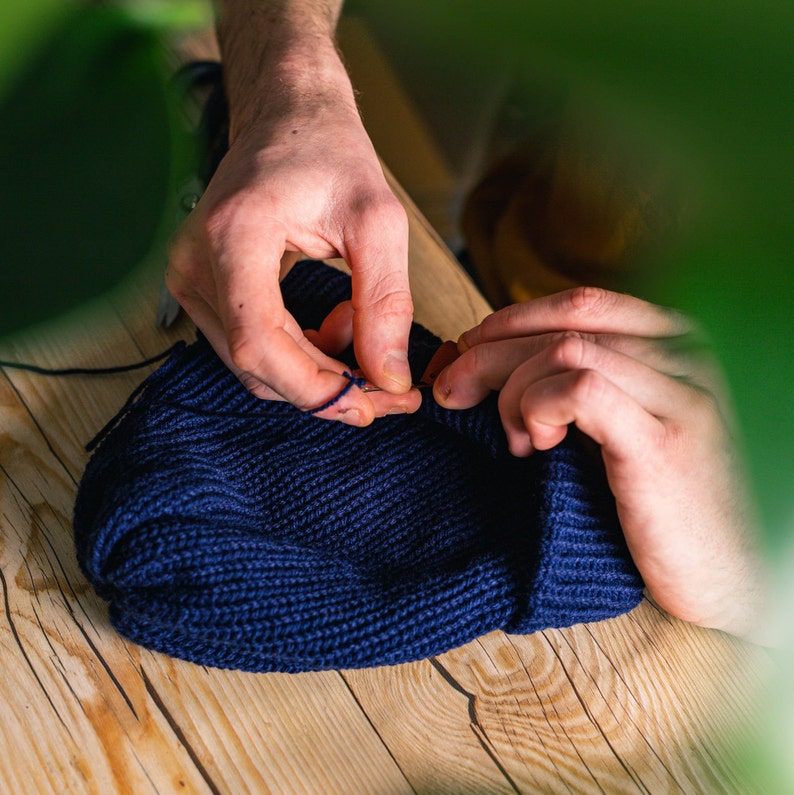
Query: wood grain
[600,708]
[638,704]
[427,724]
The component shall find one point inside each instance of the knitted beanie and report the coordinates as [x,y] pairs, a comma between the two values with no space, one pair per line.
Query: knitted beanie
[241,533]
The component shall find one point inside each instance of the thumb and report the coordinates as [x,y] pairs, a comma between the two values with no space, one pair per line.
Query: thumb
[382,303]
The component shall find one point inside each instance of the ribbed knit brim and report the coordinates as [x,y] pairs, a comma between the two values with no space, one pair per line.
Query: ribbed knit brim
[247,534]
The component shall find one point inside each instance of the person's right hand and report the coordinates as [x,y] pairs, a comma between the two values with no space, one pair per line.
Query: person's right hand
[300,176]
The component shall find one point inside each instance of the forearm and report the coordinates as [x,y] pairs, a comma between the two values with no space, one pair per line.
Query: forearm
[280,56]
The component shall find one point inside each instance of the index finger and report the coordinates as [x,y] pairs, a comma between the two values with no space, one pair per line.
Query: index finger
[251,309]
[586,309]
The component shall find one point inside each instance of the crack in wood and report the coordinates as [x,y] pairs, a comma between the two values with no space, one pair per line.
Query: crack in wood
[67,602]
[39,428]
[57,663]
[178,733]
[375,729]
[108,670]
[24,653]
[552,726]
[538,735]
[636,701]
[477,728]
[719,764]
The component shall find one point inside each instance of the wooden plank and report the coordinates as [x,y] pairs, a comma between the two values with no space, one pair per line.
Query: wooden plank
[89,712]
[641,703]
[76,717]
[274,733]
[605,708]
[429,729]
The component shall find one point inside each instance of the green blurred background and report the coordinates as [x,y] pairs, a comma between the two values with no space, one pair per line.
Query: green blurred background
[90,154]
[704,87]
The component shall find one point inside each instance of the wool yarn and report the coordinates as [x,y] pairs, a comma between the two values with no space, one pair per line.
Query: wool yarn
[247,534]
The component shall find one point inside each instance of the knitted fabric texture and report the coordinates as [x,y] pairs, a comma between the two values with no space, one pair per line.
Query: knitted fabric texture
[247,534]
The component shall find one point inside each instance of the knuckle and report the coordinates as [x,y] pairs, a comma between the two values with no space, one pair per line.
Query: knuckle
[376,217]
[225,217]
[489,324]
[381,211]
[591,300]
[389,211]
[178,285]
[173,281]
[461,371]
[705,408]
[179,253]
[255,386]
[387,301]
[588,387]
[218,221]
[399,302]
[397,216]
[512,315]
[244,351]
[508,405]
[677,439]
[507,321]
[477,359]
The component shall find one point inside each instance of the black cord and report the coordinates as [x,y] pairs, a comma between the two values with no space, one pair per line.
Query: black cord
[214,139]
[122,368]
[213,135]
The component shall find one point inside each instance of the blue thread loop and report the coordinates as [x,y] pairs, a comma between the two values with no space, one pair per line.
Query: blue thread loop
[352,381]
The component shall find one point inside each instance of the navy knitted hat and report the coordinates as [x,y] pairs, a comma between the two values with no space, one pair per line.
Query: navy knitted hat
[247,534]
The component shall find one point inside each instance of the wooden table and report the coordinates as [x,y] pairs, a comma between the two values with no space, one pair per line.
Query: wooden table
[642,703]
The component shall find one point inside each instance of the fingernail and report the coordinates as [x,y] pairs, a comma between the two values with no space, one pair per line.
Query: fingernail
[395,367]
[441,388]
[397,410]
[469,339]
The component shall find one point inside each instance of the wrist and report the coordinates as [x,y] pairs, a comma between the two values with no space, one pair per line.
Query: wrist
[279,21]
[280,60]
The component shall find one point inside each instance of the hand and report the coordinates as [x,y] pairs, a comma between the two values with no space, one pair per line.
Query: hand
[301,175]
[633,377]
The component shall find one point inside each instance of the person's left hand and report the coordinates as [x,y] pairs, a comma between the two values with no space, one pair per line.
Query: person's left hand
[635,378]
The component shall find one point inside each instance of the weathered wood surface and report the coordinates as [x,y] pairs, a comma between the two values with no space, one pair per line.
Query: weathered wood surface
[642,703]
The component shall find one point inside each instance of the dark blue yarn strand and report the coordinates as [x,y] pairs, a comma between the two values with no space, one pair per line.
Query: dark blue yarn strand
[174,349]
[240,533]
[352,381]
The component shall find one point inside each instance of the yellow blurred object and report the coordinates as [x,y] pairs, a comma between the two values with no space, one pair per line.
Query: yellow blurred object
[564,209]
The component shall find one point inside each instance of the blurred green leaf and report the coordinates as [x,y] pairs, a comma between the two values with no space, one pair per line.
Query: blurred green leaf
[706,88]
[23,29]
[88,150]
[170,15]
